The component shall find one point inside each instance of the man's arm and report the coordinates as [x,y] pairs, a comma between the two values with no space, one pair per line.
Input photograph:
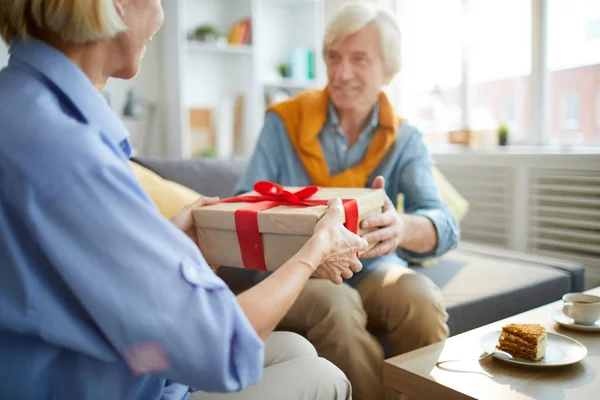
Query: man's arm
[420,234]
[430,229]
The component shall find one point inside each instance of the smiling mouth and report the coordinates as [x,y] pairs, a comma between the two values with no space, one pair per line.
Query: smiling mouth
[346,91]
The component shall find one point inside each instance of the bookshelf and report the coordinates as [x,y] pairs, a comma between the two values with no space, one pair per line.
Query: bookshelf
[219,48]
[235,80]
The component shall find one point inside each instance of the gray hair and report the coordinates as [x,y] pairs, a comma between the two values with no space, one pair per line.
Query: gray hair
[353,17]
[76,21]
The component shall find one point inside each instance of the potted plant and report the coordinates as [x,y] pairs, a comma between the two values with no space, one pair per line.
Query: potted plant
[205,33]
[502,135]
[284,70]
[207,152]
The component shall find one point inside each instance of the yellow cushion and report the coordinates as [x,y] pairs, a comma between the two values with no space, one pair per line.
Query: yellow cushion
[168,196]
[457,203]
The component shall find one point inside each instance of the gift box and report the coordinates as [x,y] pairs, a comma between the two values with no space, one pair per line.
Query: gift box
[264,228]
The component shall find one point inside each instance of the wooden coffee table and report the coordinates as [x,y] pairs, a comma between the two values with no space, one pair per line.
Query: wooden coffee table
[415,374]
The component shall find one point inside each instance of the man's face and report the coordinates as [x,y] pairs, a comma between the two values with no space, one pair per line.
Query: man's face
[355,70]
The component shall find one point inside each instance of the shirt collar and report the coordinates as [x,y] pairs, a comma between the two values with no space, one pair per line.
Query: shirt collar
[72,83]
[335,121]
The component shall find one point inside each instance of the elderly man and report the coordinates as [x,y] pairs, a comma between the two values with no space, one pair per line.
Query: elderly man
[348,135]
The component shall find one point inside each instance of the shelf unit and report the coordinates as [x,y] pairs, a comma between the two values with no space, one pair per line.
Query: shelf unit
[219,48]
[289,83]
[210,75]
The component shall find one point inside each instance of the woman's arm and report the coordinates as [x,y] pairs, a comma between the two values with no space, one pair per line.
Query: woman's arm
[266,303]
[331,252]
[143,284]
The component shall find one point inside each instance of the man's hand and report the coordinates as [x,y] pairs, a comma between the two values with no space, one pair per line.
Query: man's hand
[184,219]
[391,230]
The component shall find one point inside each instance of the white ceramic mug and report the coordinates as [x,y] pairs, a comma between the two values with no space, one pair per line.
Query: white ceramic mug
[583,309]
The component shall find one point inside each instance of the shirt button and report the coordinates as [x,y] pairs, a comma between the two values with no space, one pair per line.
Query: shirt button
[190,273]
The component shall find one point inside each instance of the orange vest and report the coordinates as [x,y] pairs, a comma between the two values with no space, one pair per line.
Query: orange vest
[304,117]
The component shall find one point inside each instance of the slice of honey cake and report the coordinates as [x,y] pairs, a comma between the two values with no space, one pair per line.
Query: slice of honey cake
[526,341]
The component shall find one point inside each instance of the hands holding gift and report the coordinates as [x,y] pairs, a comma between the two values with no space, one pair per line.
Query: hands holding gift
[336,245]
[392,227]
[184,219]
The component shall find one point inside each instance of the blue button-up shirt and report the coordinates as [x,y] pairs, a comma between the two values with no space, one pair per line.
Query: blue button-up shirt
[406,169]
[100,296]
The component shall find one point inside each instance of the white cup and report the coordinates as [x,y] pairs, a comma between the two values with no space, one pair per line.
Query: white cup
[583,309]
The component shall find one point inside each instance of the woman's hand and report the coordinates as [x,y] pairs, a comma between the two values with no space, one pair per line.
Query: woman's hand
[336,245]
[184,219]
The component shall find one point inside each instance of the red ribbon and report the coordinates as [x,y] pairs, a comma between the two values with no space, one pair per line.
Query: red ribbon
[272,195]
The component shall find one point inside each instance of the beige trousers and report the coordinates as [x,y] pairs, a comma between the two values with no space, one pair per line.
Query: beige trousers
[292,371]
[335,318]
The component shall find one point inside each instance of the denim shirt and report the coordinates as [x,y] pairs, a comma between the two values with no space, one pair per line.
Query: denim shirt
[406,168]
[100,296]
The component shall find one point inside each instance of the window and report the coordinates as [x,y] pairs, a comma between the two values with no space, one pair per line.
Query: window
[476,56]
[509,111]
[500,55]
[574,70]
[598,108]
[593,29]
[570,111]
[430,77]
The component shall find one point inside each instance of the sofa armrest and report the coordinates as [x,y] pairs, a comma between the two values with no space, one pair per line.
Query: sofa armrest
[575,270]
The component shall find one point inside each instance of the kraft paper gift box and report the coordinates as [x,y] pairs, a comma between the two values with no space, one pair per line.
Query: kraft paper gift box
[281,231]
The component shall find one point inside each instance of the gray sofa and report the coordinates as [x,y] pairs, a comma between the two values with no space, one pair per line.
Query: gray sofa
[479,284]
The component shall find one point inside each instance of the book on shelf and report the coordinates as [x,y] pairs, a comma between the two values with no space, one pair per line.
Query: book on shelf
[240,33]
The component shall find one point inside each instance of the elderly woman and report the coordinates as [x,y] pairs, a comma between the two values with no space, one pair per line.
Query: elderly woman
[101,297]
[349,135]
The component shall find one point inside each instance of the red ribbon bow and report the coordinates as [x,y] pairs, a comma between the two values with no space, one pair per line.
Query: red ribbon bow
[271,195]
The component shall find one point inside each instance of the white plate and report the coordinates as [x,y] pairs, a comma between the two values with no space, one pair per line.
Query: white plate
[567,322]
[560,350]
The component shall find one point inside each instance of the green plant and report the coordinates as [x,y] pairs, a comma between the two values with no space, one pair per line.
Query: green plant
[208,152]
[284,69]
[502,135]
[205,30]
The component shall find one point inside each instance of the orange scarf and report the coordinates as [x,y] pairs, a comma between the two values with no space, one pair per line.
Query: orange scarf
[305,116]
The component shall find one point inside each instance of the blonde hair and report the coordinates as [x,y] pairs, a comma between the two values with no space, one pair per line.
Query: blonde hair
[76,21]
[353,17]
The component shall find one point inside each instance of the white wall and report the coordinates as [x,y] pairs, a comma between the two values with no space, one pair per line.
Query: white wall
[149,88]
[331,6]
[3,54]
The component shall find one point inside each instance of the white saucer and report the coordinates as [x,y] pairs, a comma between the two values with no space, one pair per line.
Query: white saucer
[567,322]
[560,350]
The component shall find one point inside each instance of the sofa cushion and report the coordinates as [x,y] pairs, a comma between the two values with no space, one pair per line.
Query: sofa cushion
[168,196]
[479,289]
